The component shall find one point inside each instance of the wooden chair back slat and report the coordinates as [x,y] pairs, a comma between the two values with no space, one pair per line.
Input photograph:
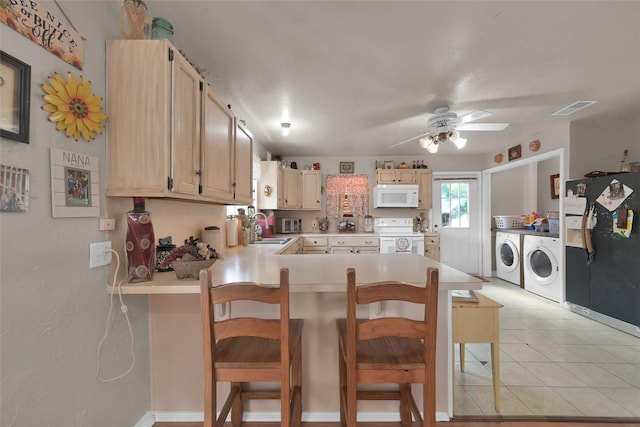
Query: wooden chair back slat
[390,291]
[245,291]
[391,327]
[248,327]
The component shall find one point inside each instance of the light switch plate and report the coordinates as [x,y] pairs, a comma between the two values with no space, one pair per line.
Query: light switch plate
[107,224]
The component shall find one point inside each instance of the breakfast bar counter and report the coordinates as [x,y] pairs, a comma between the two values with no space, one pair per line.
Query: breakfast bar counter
[307,273]
[318,295]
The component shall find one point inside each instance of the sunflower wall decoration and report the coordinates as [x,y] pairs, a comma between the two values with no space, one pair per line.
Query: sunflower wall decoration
[72,105]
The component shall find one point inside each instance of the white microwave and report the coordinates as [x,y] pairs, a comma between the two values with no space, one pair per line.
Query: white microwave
[395,196]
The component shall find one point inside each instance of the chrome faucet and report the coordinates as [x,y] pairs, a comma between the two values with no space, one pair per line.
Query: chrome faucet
[255,218]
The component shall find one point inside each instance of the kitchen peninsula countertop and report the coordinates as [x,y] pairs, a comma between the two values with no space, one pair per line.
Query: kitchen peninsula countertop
[307,272]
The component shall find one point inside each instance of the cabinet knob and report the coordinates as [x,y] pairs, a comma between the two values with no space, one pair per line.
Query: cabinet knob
[199,172]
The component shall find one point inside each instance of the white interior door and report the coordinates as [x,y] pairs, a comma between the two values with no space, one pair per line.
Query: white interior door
[456,216]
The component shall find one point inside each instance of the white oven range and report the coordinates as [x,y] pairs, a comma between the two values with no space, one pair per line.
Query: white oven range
[397,236]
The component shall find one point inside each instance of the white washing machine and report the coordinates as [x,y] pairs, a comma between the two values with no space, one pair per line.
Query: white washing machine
[542,258]
[508,257]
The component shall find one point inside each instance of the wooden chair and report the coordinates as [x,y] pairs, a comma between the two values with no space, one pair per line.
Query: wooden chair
[391,350]
[247,349]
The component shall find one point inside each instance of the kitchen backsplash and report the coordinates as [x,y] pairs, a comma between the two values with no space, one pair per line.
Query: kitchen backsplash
[309,216]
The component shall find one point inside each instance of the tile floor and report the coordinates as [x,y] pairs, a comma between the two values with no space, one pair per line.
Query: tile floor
[552,362]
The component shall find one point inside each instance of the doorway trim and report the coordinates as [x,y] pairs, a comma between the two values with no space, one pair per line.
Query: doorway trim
[486,203]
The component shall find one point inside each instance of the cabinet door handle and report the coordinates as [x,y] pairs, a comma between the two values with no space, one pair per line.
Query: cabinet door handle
[199,172]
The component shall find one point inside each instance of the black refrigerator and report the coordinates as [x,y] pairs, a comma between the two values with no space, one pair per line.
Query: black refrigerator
[608,282]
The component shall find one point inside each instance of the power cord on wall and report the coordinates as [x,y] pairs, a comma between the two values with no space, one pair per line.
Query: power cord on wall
[125,311]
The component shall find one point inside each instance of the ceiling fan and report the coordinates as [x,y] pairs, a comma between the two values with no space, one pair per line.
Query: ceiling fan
[445,125]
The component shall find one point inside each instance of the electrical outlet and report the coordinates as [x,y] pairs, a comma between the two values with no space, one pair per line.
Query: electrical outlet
[99,254]
[107,224]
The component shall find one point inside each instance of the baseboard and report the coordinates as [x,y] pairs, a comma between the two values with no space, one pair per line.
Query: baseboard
[146,421]
[606,320]
[152,417]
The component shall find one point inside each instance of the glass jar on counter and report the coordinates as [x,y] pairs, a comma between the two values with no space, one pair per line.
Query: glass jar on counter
[367,224]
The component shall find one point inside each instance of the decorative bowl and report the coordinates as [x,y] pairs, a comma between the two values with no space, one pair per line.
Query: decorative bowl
[185,269]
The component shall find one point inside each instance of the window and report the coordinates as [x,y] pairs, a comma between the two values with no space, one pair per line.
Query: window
[454,202]
[347,194]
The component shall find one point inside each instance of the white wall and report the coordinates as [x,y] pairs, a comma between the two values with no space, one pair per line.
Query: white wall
[599,144]
[508,188]
[53,307]
[545,203]
[551,137]
[522,188]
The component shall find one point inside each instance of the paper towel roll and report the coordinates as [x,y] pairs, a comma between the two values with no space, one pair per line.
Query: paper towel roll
[232,232]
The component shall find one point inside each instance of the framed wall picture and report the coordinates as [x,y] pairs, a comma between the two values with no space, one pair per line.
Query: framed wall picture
[515,152]
[14,189]
[554,182]
[346,167]
[15,83]
[74,184]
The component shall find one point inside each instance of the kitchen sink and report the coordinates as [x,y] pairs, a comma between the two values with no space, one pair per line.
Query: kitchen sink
[272,241]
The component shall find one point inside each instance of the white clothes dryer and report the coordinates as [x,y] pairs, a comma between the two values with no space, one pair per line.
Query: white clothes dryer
[542,258]
[508,257]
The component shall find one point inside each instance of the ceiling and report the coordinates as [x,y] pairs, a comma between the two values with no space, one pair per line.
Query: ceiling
[356,77]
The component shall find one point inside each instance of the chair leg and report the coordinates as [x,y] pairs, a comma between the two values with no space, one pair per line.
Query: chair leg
[405,405]
[210,404]
[352,400]
[342,374]
[237,409]
[296,379]
[429,400]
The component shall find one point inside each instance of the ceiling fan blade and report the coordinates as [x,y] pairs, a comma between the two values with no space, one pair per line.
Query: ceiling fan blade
[410,139]
[482,126]
[472,116]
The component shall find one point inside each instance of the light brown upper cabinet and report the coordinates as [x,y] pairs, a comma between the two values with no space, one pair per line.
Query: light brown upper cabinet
[217,147]
[311,189]
[424,181]
[289,183]
[243,165]
[168,134]
[395,176]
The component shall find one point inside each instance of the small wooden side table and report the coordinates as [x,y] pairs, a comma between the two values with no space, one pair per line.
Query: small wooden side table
[479,322]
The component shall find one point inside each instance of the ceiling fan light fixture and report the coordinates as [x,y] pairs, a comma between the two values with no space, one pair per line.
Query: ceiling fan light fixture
[460,142]
[285,128]
[432,148]
[425,141]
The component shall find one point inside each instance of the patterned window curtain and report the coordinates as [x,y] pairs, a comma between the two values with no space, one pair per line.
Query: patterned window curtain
[355,187]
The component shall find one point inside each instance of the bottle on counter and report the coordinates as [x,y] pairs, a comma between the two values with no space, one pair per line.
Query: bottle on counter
[140,243]
[368,224]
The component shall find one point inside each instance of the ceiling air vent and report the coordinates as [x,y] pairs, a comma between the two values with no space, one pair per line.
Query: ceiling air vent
[570,109]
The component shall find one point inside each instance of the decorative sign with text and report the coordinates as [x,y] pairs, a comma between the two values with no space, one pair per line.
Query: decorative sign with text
[40,26]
